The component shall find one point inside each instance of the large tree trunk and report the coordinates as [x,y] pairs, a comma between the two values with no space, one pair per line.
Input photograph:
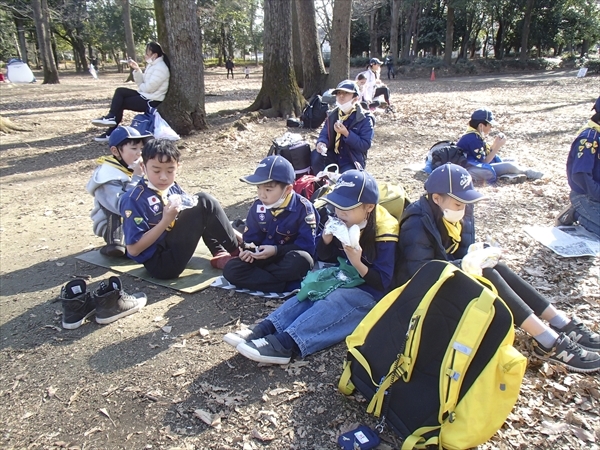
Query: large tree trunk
[296,46]
[279,95]
[42,25]
[373,47]
[313,67]
[339,67]
[394,30]
[525,30]
[183,107]
[20,25]
[129,41]
[449,36]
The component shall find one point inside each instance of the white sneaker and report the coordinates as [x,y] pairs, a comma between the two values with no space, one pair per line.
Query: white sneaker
[102,138]
[105,121]
[533,174]
[237,337]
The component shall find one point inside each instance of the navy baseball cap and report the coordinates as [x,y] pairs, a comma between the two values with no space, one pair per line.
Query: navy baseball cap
[485,115]
[347,86]
[272,168]
[122,133]
[455,181]
[596,106]
[375,61]
[353,188]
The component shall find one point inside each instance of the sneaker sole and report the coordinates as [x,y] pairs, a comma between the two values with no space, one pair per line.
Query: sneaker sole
[255,356]
[104,124]
[566,365]
[101,139]
[107,320]
[233,339]
[75,325]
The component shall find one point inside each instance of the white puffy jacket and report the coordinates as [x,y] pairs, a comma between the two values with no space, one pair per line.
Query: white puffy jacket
[153,84]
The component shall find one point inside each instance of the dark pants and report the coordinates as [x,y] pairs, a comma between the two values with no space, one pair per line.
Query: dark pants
[318,162]
[385,91]
[269,275]
[206,220]
[520,297]
[127,99]
[229,71]
[391,72]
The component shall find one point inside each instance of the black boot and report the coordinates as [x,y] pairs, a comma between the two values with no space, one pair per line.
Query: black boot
[115,241]
[112,302]
[77,304]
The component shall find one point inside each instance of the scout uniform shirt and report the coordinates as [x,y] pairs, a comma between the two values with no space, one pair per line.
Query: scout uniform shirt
[584,158]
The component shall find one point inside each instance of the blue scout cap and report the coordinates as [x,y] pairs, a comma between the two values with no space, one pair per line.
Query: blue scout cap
[347,86]
[484,114]
[122,133]
[272,168]
[353,188]
[596,106]
[455,181]
[375,61]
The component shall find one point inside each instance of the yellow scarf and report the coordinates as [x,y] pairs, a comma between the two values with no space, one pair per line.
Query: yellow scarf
[454,230]
[471,130]
[591,124]
[342,117]
[276,211]
[112,161]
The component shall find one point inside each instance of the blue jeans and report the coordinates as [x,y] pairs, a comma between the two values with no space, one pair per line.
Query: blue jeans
[318,325]
[587,212]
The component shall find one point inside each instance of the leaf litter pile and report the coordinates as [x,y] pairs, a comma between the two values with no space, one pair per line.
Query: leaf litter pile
[163,378]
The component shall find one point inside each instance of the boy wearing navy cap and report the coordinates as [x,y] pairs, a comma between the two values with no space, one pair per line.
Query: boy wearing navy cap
[440,225]
[280,230]
[347,134]
[162,234]
[583,175]
[483,162]
[115,174]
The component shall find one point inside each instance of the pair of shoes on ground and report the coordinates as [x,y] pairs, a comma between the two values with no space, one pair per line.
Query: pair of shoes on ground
[114,250]
[105,121]
[262,349]
[576,348]
[108,302]
[566,217]
[219,260]
[516,178]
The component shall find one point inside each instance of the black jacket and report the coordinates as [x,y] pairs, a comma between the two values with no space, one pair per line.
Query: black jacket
[421,240]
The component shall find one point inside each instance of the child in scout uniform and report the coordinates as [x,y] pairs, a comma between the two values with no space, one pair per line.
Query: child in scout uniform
[280,230]
[440,225]
[306,325]
[483,162]
[583,175]
[114,175]
[158,232]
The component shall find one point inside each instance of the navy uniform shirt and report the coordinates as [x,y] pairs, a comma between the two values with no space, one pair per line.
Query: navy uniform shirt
[583,163]
[292,226]
[141,209]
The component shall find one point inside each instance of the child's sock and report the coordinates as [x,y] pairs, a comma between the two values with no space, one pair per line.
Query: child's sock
[264,328]
[559,321]
[287,342]
[547,338]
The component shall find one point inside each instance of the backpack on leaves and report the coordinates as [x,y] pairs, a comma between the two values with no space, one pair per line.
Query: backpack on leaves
[435,359]
[443,152]
[315,113]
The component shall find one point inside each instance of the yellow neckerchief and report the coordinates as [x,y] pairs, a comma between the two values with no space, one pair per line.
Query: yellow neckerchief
[454,230]
[591,124]
[164,199]
[342,117]
[276,211]
[113,162]
[471,130]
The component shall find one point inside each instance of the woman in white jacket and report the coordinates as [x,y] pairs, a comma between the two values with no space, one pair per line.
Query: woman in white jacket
[373,86]
[152,88]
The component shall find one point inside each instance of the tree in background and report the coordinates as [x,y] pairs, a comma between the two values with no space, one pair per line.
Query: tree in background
[179,35]
[42,24]
[279,95]
[339,69]
[314,73]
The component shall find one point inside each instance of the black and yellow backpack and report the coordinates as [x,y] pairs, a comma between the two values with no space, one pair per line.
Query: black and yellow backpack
[435,360]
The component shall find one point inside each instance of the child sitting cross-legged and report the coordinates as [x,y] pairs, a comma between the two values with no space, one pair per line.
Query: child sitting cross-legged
[280,231]
[162,235]
[306,325]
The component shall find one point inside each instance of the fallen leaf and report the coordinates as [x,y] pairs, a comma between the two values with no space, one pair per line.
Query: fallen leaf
[92,431]
[204,332]
[261,437]
[207,418]
[178,372]
[167,328]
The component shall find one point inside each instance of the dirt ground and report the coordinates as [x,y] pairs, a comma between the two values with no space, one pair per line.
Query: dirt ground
[136,385]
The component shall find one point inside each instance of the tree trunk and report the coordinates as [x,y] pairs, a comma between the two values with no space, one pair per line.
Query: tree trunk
[129,41]
[279,95]
[315,75]
[525,30]
[415,29]
[373,47]
[339,67]
[183,107]
[449,36]
[499,44]
[296,45]
[394,30]
[42,25]
[20,25]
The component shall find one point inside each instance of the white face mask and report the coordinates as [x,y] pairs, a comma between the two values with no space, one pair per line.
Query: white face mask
[345,107]
[149,60]
[278,203]
[453,216]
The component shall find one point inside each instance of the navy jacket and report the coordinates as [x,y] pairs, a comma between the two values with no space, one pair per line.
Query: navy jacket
[583,163]
[421,240]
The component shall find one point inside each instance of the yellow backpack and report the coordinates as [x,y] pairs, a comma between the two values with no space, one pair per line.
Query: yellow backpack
[435,359]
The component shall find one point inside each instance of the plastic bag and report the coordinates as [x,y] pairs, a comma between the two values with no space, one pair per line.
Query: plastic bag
[479,258]
[347,236]
[183,201]
[162,130]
